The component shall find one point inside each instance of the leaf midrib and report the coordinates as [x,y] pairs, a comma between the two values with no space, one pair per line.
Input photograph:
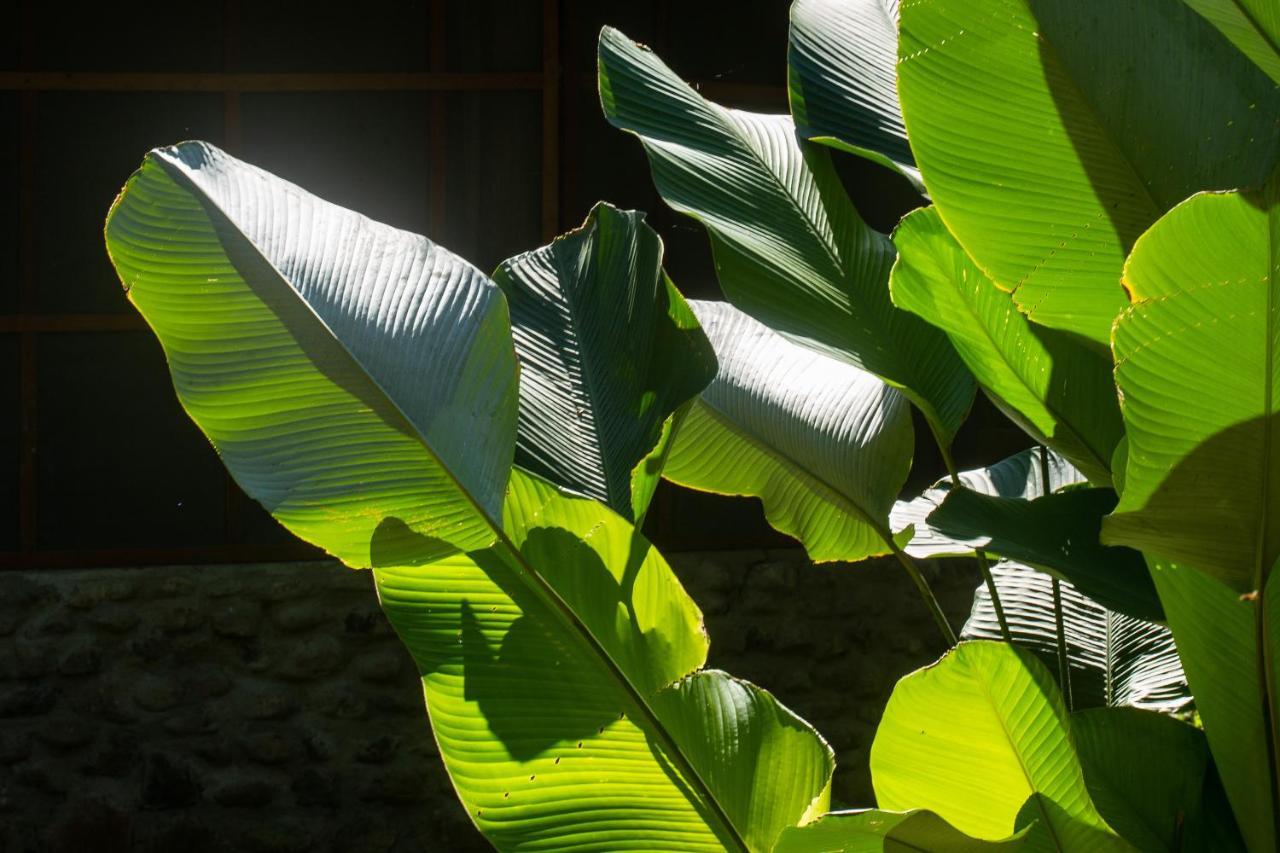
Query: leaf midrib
[1017,754]
[765,447]
[724,119]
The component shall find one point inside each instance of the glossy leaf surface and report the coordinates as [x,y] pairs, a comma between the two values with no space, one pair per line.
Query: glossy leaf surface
[841,73]
[1227,647]
[608,351]
[1251,25]
[1058,533]
[976,736]
[877,831]
[1019,476]
[347,372]
[1114,660]
[1198,367]
[1058,390]
[1052,133]
[824,445]
[562,680]
[790,249]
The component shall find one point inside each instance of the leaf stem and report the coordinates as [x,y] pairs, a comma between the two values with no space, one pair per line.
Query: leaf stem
[983,566]
[930,600]
[1064,668]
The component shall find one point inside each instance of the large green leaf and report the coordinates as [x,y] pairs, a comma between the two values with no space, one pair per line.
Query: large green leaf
[608,351]
[1113,659]
[1051,133]
[842,75]
[1251,25]
[347,372]
[978,734]
[1228,647]
[790,248]
[1058,390]
[1146,773]
[1019,476]
[877,831]
[558,677]
[824,445]
[1057,533]
[1198,368]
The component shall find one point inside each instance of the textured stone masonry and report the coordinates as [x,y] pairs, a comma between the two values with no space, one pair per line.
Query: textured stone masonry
[270,708]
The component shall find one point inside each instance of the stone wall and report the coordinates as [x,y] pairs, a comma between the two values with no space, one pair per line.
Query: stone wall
[270,708]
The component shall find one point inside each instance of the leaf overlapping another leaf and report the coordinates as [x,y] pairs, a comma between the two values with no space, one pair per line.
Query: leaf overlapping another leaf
[790,248]
[824,445]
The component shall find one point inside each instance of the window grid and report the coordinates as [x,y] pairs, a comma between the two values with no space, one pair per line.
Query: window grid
[559,132]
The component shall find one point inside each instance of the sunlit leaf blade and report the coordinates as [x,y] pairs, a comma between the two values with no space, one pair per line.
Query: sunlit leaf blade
[790,248]
[561,680]
[608,351]
[1057,533]
[976,736]
[347,372]
[824,445]
[1056,388]
[1251,25]
[1018,476]
[1113,659]
[1051,133]
[877,831]
[1198,368]
[1218,634]
[1145,772]
[841,73]
[329,358]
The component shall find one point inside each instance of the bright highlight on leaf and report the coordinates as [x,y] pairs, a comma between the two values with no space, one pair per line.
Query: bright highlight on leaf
[1198,368]
[347,372]
[877,831]
[562,681]
[359,382]
[976,736]
[1052,133]
[790,248]
[1057,389]
[842,80]
[825,446]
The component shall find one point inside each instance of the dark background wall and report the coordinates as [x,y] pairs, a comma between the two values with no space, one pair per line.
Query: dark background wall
[269,708]
[251,705]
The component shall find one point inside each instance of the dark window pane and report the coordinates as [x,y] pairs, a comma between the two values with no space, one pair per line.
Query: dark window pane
[600,162]
[10,130]
[257,527]
[493,35]
[730,41]
[89,144]
[334,35]
[582,23]
[367,151]
[9,426]
[10,35]
[119,463]
[682,520]
[493,182]
[142,35]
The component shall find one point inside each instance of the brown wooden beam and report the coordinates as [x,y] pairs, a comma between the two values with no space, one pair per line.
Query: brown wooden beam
[420,81]
[24,324]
